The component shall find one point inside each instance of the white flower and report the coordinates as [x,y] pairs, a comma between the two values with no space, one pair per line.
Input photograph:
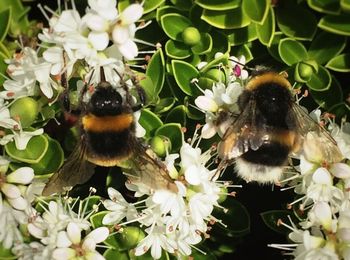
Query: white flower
[156,241]
[30,251]
[5,119]
[21,137]
[342,136]
[120,208]
[70,244]
[104,8]
[238,68]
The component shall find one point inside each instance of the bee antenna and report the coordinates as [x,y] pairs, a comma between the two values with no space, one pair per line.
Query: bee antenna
[245,66]
[102,74]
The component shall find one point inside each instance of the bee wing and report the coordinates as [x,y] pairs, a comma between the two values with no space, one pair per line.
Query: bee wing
[315,139]
[76,170]
[248,131]
[146,169]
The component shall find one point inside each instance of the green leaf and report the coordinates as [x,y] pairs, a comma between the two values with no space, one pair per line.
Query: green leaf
[112,254]
[204,45]
[182,4]
[156,71]
[6,253]
[177,115]
[292,51]
[321,80]
[236,211]
[345,5]
[218,5]
[18,12]
[272,217]
[5,19]
[330,97]
[177,50]
[338,24]
[167,9]
[295,21]
[96,219]
[325,6]
[34,152]
[3,67]
[184,73]
[256,10]
[174,24]
[164,105]
[242,35]
[129,237]
[340,63]
[326,46]
[174,132]
[52,159]
[223,59]
[243,50]
[273,49]
[220,44]
[230,19]
[266,30]
[151,5]
[149,121]
[147,85]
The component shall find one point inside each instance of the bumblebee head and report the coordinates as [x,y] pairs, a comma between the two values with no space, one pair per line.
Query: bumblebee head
[105,101]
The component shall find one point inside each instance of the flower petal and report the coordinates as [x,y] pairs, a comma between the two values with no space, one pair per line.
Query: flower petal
[23,175]
[18,203]
[11,191]
[322,176]
[131,14]
[74,233]
[340,170]
[63,253]
[98,235]
[99,40]
[63,239]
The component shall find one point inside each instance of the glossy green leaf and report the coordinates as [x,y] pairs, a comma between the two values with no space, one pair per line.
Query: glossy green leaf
[340,63]
[345,5]
[340,110]
[3,67]
[6,253]
[174,132]
[273,49]
[129,237]
[96,219]
[151,5]
[243,50]
[216,74]
[184,73]
[325,6]
[147,85]
[321,80]
[164,105]
[272,217]
[18,12]
[223,59]
[156,71]
[182,4]
[338,24]
[326,46]
[51,161]
[5,20]
[167,9]
[230,19]
[5,51]
[204,45]
[296,21]
[236,211]
[242,35]
[195,16]
[330,97]
[113,254]
[218,5]
[174,24]
[149,121]
[34,152]
[266,30]
[220,44]
[256,10]
[177,50]
[177,115]
[292,51]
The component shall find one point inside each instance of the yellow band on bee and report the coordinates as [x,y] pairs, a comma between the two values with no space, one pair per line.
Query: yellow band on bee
[268,78]
[107,123]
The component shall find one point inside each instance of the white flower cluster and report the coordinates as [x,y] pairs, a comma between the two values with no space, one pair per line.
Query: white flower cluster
[324,194]
[173,221]
[220,103]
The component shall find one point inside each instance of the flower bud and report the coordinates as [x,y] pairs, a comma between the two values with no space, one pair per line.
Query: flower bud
[26,110]
[191,36]
[160,145]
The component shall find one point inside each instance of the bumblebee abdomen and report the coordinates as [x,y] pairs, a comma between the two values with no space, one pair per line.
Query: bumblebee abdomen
[109,139]
[269,154]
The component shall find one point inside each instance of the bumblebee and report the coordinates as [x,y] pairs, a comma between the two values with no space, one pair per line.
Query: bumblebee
[269,128]
[107,138]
